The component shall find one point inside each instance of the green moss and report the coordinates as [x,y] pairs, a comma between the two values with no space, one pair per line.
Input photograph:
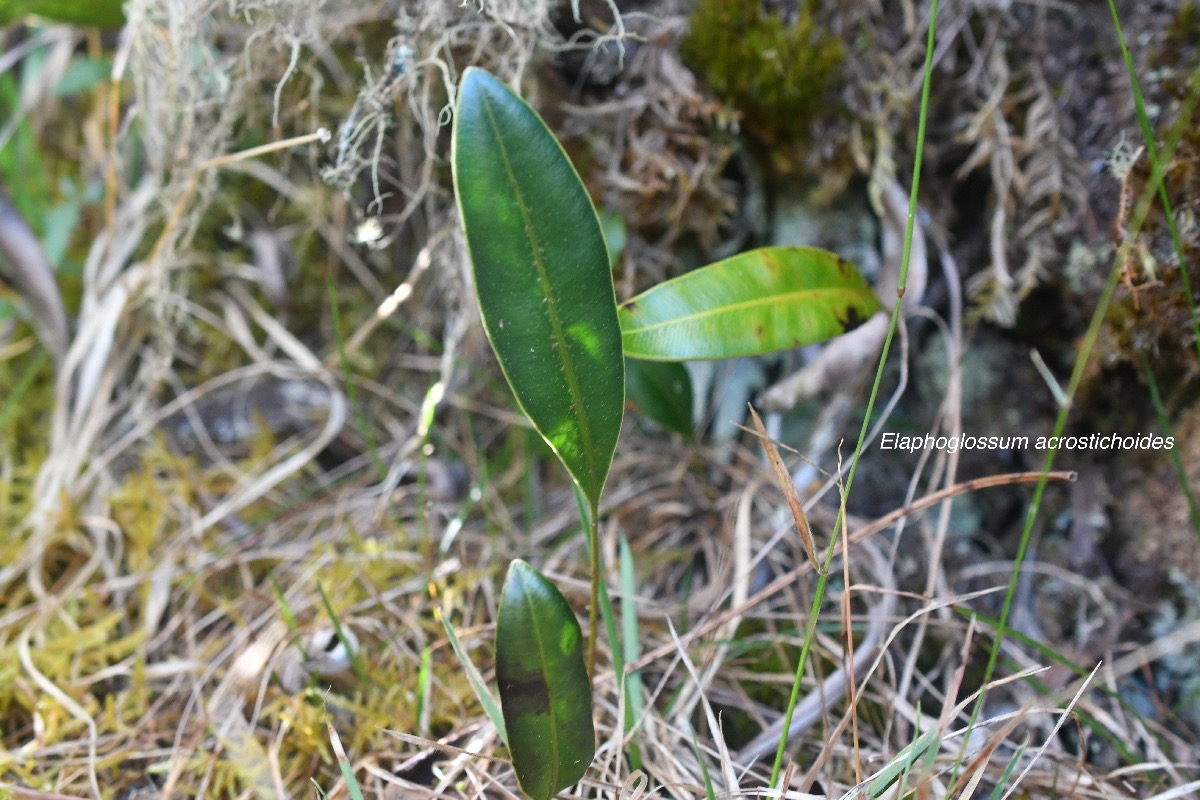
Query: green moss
[774,71]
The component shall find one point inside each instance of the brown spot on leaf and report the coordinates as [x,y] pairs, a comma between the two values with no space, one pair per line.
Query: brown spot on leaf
[759,332]
[529,695]
[850,319]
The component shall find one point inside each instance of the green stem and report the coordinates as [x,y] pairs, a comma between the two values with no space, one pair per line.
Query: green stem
[1081,360]
[597,573]
[589,512]
[1060,424]
[822,580]
[1165,420]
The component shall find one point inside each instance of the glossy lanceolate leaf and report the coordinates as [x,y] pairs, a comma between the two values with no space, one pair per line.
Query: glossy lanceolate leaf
[756,302]
[545,692]
[542,276]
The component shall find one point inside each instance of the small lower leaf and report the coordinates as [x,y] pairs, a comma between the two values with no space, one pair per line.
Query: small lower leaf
[545,692]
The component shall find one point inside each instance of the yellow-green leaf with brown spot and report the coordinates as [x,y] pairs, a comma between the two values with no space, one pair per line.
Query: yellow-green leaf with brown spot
[756,302]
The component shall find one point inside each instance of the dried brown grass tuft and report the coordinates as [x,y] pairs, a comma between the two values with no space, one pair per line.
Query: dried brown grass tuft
[1001,136]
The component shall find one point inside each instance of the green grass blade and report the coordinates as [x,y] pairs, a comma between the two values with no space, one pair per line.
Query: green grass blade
[1048,653]
[631,683]
[347,769]
[490,706]
[709,791]
[902,763]
[424,687]
[1156,173]
[285,609]
[1088,345]
[998,789]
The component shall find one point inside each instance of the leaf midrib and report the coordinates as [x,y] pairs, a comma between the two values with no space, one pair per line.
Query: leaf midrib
[541,650]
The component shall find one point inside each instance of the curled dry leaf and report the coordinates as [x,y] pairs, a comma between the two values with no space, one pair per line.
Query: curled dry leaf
[784,478]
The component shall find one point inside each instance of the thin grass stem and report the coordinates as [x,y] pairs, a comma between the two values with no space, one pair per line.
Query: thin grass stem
[1161,411]
[1088,345]
[823,579]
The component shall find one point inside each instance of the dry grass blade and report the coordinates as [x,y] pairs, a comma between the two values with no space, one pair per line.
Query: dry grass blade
[714,726]
[34,276]
[33,794]
[860,659]
[344,764]
[1053,733]
[443,745]
[1178,791]
[881,524]
[975,484]
[72,707]
[784,478]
